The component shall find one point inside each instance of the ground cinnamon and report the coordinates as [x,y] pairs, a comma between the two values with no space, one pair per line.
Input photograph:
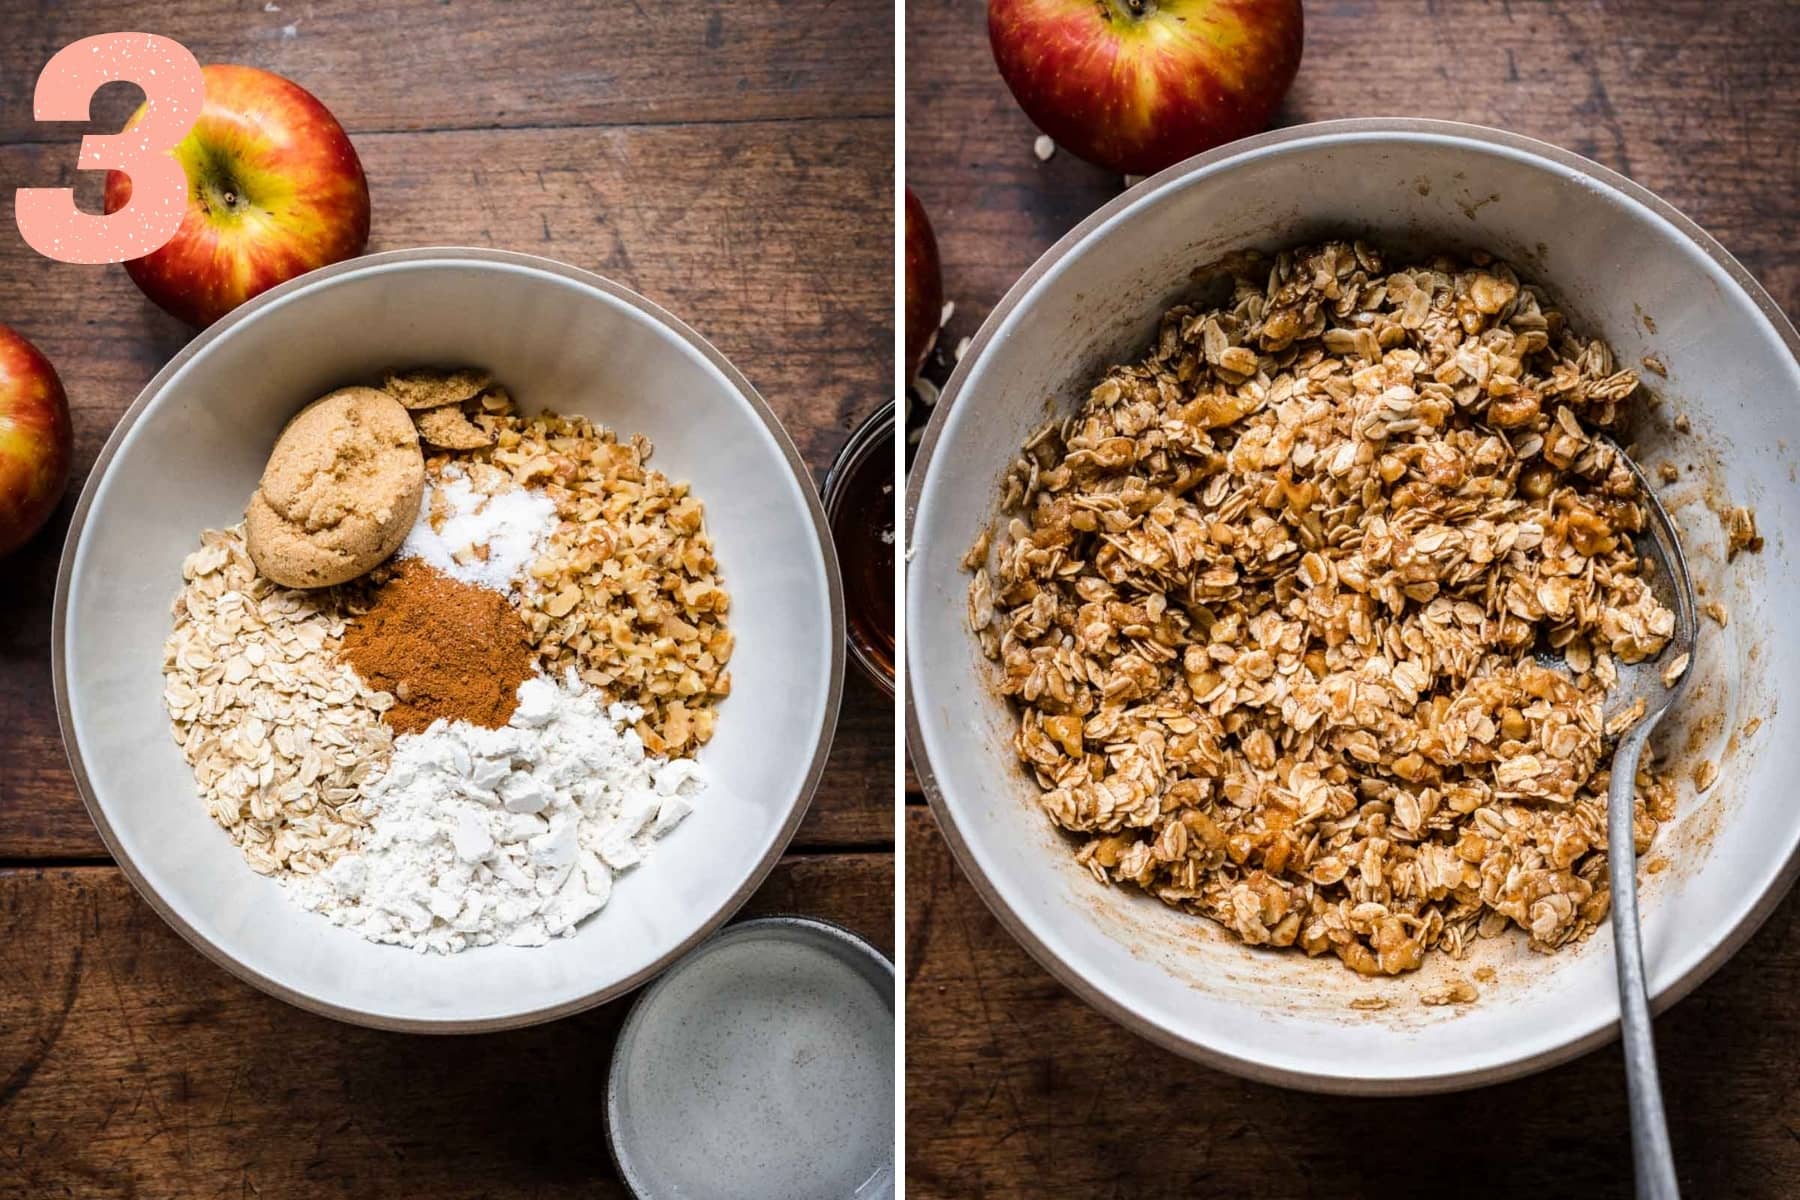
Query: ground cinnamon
[443,648]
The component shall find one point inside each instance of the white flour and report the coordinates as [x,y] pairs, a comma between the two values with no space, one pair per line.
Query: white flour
[513,526]
[505,835]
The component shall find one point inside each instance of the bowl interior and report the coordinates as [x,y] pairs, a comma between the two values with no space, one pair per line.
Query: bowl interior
[1622,266]
[190,460]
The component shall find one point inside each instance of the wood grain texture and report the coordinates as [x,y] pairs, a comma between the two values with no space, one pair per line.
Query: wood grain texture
[1015,1086]
[447,64]
[773,239]
[1698,101]
[132,1069]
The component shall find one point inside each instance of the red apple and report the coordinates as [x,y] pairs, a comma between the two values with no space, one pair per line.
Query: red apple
[36,440]
[1136,85]
[274,190]
[924,286]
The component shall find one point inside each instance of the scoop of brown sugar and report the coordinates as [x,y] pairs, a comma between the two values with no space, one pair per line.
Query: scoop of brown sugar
[339,492]
[444,648]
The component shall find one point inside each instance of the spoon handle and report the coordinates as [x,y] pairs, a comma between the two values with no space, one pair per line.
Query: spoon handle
[1652,1156]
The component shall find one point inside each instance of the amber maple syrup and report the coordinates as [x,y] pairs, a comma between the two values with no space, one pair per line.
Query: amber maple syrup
[860,504]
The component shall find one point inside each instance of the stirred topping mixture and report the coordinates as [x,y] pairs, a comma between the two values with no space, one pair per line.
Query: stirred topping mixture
[1268,603]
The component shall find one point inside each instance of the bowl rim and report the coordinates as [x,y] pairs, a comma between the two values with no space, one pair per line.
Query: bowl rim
[1582,1038]
[450,255]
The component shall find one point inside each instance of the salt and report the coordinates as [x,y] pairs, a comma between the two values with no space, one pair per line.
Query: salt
[513,525]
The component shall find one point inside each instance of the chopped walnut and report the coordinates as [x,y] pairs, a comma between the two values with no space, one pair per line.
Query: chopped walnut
[627,590]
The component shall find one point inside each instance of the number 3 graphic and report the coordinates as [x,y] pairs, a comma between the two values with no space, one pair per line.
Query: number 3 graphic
[174,91]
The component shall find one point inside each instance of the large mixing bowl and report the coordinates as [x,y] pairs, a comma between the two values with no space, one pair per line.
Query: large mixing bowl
[189,453]
[1624,265]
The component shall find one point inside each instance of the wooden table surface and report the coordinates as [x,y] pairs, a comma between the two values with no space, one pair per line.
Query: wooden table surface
[1017,1089]
[731,160]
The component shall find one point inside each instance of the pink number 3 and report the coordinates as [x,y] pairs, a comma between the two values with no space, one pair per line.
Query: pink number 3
[174,91]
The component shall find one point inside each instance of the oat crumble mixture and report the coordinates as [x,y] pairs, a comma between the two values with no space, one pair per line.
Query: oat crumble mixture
[283,735]
[1266,608]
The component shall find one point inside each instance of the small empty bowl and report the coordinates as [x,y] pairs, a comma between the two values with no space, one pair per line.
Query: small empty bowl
[760,1067]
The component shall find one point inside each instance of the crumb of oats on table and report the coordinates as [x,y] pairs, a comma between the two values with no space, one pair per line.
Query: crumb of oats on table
[1655,365]
[1668,472]
[1716,610]
[1267,605]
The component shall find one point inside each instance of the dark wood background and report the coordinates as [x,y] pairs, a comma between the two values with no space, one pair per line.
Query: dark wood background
[1017,1089]
[730,159]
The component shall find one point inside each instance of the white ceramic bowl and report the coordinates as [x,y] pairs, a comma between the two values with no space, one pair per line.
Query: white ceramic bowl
[760,1067]
[188,454]
[1625,265]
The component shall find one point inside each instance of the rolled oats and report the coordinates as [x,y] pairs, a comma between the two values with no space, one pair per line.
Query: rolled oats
[280,735]
[1267,605]
[1453,990]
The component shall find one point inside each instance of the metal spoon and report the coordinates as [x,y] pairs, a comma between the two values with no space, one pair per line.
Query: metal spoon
[1652,1157]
